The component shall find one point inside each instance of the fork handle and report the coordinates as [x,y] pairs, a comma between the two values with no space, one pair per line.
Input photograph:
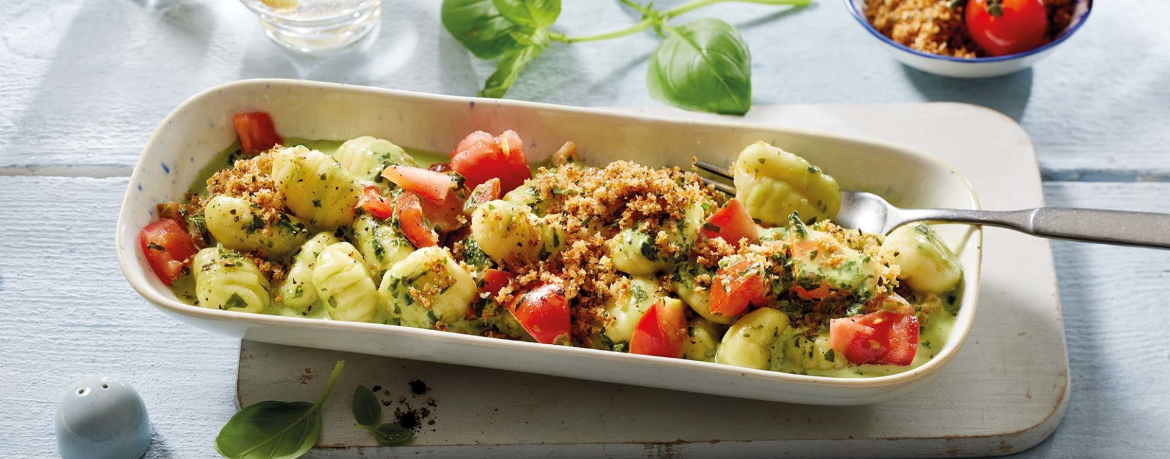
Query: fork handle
[1143,229]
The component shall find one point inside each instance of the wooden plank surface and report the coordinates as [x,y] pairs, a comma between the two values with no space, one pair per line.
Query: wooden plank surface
[85,82]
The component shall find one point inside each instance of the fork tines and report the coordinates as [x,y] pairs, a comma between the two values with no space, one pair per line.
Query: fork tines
[718,171]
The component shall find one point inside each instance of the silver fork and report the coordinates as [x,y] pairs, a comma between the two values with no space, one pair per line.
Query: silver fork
[872,214]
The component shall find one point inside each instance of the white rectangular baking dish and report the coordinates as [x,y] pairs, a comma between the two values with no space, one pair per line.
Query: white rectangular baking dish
[199,128]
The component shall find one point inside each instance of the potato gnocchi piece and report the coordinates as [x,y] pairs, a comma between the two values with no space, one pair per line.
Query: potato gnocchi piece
[427,288]
[316,187]
[296,291]
[683,281]
[528,196]
[380,243]
[344,284]
[748,343]
[504,230]
[821,261]
[635,253]
[703,337]
[237,225]
[628,302]
[774,183]
[365,157]
[225,280]
[813,353]
[927,264]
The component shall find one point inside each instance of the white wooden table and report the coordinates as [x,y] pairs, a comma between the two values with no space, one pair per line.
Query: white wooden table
[83,83]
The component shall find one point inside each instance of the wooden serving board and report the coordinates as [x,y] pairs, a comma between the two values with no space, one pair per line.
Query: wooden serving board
[1004,392]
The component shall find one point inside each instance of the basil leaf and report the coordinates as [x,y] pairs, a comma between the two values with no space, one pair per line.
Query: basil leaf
[366,408]
[704,65]
[274,430]
[392,434]
[270,429]
[532,13]
[478,25]
[508,69]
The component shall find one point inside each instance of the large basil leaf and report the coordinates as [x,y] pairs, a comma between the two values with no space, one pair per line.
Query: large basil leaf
[270,430]
[367,411]
[532,13]
[704,65]
[508,69]
[479,26]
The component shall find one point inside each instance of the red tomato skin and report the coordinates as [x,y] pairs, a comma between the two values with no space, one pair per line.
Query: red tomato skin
[876,338]
[1019,28]
[257,132]
[408,211]
[375,204]
[732,223]
[430,185]
[445,216]
[494,280]
[484,192]
[176,250]
[480,157]
[543,312]
[731,293]
[662,331]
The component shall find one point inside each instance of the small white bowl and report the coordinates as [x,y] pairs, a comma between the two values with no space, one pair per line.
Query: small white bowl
[979,67]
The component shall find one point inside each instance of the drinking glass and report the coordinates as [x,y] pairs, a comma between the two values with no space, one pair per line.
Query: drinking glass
[316,26]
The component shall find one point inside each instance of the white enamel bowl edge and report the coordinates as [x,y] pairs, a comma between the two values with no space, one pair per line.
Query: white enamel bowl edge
[982,67]
[186,140]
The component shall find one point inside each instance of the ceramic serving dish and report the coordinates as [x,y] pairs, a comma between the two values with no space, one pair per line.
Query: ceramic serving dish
[980,67]
[199,128]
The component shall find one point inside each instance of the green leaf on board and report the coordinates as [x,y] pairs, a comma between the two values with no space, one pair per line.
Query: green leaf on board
[274,430]
[390,434]
[366,408]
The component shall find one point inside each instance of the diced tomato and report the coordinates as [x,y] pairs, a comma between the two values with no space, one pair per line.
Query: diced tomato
[447,215]
[662,331]
[737,285]
[428,184]
[814,294]
[544,313]
[880,337]
[495,280]
[408,211]
[484,192]
[732,223]
[257,132]
[480,157]
[439,167]
[168,248]
[375,204]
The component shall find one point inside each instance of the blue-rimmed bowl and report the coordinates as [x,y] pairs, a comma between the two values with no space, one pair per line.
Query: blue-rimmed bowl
[979,67]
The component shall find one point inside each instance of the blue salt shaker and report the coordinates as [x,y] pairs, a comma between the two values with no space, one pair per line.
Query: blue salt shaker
[101,417]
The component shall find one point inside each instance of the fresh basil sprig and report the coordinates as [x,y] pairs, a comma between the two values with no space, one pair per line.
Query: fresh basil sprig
[704,65]
[367,411]
[275,430]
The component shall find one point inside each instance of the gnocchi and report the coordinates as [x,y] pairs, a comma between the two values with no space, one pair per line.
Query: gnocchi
[599,257]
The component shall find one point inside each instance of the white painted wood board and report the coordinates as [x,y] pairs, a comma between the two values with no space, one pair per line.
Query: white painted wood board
[1004,392]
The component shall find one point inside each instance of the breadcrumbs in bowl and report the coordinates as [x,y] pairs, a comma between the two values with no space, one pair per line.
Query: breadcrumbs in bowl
[938,26]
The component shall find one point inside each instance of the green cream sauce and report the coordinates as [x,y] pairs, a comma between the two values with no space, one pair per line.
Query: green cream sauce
[933,336]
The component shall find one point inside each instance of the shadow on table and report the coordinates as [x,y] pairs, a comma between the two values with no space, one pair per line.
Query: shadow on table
[1007,94]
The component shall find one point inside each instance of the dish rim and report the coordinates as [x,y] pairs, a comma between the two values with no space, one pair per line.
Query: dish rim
[126,254]
[1068,32]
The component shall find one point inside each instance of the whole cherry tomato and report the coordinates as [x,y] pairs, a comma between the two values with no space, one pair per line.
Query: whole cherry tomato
[1003,27]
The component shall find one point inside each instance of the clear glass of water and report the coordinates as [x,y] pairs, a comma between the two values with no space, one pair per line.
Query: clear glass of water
[316,26]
